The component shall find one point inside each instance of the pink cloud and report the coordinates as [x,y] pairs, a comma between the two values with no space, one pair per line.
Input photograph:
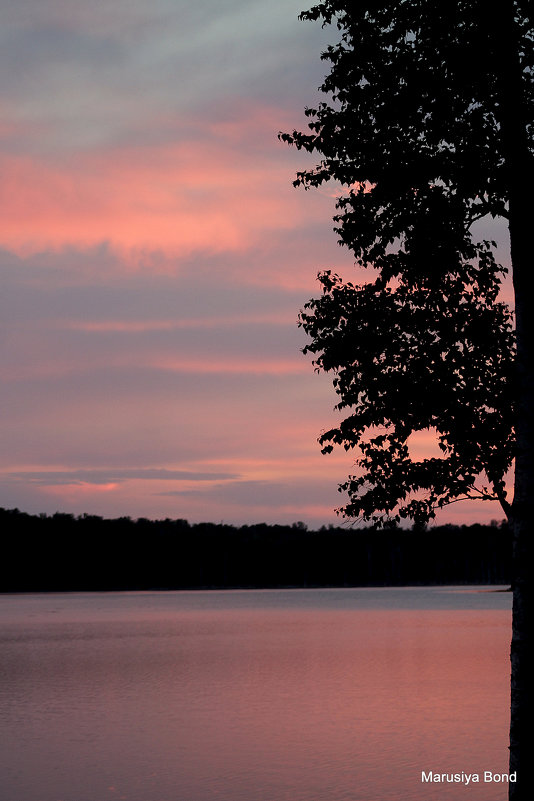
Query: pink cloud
[175,198]
[424,445]
[79,490]
[232,365]
[54,368]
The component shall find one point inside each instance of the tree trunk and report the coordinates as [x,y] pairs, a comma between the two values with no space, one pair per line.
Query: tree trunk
[521,711]
[522,663]
[519,166]
[521,210]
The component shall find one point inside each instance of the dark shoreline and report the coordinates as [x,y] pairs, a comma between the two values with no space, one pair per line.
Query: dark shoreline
[483,588]
[63,553]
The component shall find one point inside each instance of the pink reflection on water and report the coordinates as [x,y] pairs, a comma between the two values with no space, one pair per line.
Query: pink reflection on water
[358,708]
[227,700]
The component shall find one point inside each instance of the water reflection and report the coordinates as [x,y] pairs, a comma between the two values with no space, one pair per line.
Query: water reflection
[253,696]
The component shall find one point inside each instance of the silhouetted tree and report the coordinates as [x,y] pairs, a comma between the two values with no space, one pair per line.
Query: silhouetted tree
[429,127]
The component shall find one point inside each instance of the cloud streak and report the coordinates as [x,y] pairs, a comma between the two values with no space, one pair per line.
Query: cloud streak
[112,477]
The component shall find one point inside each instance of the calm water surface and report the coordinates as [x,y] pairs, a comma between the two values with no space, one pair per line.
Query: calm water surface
[293,695]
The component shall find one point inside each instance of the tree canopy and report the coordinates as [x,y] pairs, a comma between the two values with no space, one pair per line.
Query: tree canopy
[425,121]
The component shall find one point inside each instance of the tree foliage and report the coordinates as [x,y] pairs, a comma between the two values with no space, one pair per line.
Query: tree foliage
[416,130]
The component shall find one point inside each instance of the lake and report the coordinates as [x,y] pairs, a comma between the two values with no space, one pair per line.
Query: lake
[250,695]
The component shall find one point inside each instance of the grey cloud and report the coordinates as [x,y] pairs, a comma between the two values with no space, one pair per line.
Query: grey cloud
[61,477]
[85,82]
[94,284]
[44,320]
[147,418]
[274,494]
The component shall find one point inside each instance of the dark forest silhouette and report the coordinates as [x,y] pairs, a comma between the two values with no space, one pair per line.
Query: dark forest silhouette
[66,553]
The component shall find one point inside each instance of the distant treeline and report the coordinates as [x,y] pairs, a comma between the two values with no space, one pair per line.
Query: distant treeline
[64,552]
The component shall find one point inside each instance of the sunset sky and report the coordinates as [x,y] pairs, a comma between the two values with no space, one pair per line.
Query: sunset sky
[154,257]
